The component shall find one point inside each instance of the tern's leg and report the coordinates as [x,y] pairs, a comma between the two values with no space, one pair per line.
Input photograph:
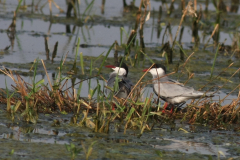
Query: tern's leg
[180,104]
[113,106]
[172,108]
[157,101]
[164,107]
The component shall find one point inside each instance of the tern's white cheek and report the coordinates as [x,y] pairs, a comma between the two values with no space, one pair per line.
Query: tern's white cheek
[157,72]
[120,71]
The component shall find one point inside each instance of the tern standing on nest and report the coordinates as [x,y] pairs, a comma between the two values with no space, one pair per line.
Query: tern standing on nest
[172,91]
[124,84]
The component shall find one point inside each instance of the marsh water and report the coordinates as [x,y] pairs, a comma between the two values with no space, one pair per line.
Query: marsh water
[98,29]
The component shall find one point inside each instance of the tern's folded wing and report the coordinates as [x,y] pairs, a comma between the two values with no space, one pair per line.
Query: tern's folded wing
[170,89]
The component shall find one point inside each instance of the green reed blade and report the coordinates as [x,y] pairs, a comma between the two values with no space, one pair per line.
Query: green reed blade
[81,62]
[124,31]
[78,8]
[89,5]
[6,88]
[91,67]
[105,58]
[130,114]
[214,61]
[98,57]
[79,91]
[121,32]
[181,49]
[83,34]
[147,57]
[19,3]
[78,44]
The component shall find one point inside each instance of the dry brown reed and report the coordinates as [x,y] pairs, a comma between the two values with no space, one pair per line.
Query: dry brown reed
[215,29]
[188,10]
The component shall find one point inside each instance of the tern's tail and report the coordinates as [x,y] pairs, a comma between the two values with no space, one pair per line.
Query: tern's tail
[209,94]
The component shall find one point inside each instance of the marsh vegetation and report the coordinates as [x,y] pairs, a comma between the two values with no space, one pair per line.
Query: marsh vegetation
[198,42]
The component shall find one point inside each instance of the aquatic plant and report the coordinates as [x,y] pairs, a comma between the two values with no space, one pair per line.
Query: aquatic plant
[74,151]
[88,151]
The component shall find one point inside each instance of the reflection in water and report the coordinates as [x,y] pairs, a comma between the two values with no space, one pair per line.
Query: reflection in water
[192,147]
[234,6]
[12,30]
[195,24]
[117,140]
[70,7]
[129,8]
[33,134]
[68,28]
[103,6]
[55,132]
[159,27]
[46,48]
[171,8]
[54,51]
[206,9]
[221,6]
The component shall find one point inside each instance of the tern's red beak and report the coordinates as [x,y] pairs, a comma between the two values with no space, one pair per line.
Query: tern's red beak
[145,70]
[110,66]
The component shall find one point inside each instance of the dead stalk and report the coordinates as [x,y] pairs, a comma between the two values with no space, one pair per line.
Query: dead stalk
[50,84]
[216,27]
[180,24]
[187,59]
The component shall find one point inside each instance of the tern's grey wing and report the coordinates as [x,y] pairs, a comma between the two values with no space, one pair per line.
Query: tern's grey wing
[171,89]
[110,83]
[190,92]
[125,86]
[127,82]
[111,80]
[174,81]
